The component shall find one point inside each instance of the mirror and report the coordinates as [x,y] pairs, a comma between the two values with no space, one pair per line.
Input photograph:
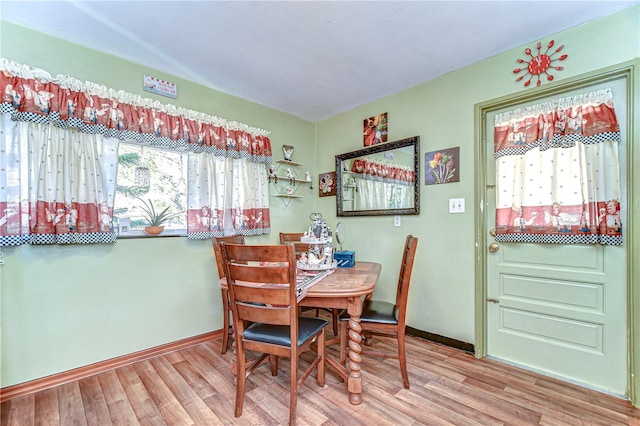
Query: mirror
[341,233]
[380,179]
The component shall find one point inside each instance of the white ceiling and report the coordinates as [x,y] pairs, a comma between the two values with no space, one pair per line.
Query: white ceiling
[311,59]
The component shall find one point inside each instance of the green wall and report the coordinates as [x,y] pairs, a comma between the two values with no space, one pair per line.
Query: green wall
[65,307]
[441,112]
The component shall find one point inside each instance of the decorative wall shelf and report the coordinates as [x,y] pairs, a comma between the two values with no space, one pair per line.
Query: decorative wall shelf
[285,187]
[291,163]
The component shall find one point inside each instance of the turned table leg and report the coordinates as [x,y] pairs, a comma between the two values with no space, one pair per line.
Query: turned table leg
[354,381]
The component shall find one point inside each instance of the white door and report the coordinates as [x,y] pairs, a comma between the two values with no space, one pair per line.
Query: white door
[560,309]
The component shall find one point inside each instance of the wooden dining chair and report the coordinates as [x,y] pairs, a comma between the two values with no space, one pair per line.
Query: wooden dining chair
[290,237]
[385,318]
[226,304]
[262,288]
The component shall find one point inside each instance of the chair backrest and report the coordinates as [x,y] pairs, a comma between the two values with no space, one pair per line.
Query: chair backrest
[299,248]
[215,241]
[404,279]
[262,284]
[290,237]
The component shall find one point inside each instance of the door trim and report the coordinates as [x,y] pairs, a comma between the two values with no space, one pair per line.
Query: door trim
[629,72]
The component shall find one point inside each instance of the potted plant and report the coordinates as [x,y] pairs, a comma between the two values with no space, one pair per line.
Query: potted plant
[155,219]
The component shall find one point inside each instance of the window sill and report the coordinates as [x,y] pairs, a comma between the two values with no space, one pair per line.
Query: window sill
[141,234]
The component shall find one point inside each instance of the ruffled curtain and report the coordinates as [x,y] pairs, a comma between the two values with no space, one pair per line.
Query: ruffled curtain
[226,196]
[57,185]
[83,121]
[382,185]
[557,172]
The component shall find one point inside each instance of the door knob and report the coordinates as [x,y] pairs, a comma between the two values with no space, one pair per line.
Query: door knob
[492,232]
[494,247]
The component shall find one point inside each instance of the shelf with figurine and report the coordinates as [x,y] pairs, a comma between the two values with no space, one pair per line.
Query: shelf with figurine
[320,255]
[289,162]
[284,174]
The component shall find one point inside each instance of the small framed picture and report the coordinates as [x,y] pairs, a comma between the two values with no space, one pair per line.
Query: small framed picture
[375,129]
[327,184]
[442,166]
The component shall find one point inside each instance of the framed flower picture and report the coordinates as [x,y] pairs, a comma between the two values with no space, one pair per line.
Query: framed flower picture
[442,166]
[375,129]
[327,184]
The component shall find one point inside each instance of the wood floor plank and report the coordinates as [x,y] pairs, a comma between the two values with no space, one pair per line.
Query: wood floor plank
[357,414]
[171,409]
[194,406]
[95,405]
[221,380]
[263,403]
[486,403]
[634,421]
[588,395]
[195,380]
[194,386]
[174,357]
[224,410]
[526,403]
[120,410]
[572,405]
[141,402]
[211,352]
[466,411]
[445,408]
[71,405]
[278,388]
[47,407]
[315,396]
[20,412]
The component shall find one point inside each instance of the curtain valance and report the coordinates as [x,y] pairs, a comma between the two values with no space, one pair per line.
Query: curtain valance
[33,95]
[382,171]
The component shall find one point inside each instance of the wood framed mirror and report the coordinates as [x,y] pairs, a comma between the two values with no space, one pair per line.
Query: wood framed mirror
[379,180]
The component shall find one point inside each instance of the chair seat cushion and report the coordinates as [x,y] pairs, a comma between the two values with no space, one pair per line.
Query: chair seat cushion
[376,311]
[280,334]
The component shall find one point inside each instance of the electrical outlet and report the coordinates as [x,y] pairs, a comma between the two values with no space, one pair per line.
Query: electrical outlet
[396,220]
[456,205]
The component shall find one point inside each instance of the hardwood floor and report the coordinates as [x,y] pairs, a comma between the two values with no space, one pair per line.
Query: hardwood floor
[194,386]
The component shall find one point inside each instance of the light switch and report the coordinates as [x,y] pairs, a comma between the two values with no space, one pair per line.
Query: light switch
[396,220]
[456,205]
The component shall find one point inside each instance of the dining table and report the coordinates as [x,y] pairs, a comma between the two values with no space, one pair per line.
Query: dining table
[344,288]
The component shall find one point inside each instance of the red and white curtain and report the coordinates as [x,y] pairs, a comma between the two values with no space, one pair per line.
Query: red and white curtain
[381,185]
[226,196]
[557,172]
[61,137]
[383,171]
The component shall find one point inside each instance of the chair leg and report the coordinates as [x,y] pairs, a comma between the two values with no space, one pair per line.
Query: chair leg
[240,379]
[273,362]
[403,360]
[322,348]
[225,325]
[334,314]
[343,342]
[293,390]
[368,339]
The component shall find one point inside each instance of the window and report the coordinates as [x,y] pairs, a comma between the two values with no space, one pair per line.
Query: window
[146,173]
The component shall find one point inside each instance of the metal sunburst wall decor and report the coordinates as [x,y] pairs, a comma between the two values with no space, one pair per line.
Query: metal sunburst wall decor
[540,64]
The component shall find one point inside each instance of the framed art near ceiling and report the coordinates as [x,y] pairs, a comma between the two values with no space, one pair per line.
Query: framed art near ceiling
[375,129]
